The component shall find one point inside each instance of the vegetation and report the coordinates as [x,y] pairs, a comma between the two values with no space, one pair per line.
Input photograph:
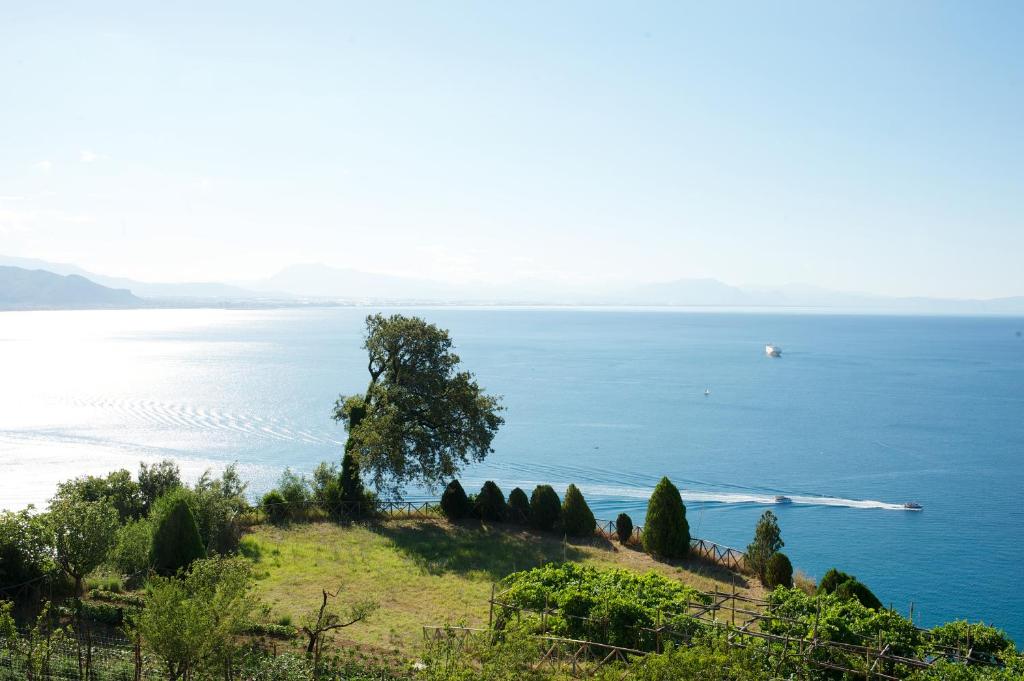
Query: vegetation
[83,534]
[624,528]
[176,540]
[518,506]
[778,571]
[421,419]
[767,540]
[490,503]
[577,518]
[454,502]
[156,480]
[618,607]
[666,532]
[848,587]
[24,547]
[545,507]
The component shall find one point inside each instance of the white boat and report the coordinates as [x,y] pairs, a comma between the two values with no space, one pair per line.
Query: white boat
[783,500]
[772,350]
[913,506]
[707,392]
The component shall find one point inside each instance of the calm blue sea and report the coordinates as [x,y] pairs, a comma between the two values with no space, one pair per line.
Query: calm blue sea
[859,415]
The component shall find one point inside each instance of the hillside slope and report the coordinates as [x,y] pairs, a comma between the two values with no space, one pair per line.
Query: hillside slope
[22,289]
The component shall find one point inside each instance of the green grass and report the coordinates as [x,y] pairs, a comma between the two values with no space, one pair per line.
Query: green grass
[422,572]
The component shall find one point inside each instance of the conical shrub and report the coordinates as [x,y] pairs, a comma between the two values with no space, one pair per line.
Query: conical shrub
[518,506]
[666,532]
[176,539]
[454,502]
[577,518]
[545,507]
[624,528]
[778,571]
[490,503]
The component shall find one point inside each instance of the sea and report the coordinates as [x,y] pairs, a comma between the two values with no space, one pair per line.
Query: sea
[859,415]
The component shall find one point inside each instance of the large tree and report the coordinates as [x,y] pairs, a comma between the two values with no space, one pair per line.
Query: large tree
[421,419]
[83,534]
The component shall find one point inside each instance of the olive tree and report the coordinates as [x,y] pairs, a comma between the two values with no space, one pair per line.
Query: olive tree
[83,534]
[421,419]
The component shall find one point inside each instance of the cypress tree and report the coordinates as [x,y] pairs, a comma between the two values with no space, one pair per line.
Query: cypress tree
[176,539]
[518,506]
[624,528]
[666,532]
[577,518]
[454,502]
[767,540]
[490,503]
[545,507]
[352,490]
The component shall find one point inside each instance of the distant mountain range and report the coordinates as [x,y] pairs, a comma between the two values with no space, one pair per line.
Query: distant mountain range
[22,289]
[306,284]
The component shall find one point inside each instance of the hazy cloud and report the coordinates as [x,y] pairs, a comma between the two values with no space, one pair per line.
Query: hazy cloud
[42,166]
[87,156]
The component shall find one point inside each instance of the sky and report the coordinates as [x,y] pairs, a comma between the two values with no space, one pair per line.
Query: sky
[863,146]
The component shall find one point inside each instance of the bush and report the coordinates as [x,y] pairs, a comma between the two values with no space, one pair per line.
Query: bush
[767,540]
[778,571]
[454,502]
[176,539]
[545,507]
[980,638]
[624,528]
[490,503]
[666,532]
[157,480]
[577,518]
[24,547]
[274,506]
[131,547]
[601,605]
[854,589]
[518,506]
[118,488]
[848,587]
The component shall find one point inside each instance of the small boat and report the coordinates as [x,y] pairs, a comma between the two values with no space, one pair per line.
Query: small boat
[913,506]
[772,350]
[783,500]
[707,392]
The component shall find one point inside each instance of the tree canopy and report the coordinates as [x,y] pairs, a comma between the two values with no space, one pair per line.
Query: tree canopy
[421,418]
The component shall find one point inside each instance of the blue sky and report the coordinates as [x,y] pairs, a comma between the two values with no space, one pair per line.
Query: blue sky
[870,146]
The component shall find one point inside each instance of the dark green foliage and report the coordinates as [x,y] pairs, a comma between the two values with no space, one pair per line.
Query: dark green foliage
[216,503]
[274,507]
[767,540]
[666,532]
[454,502]
[351,483]
[848,587]
[832,579]
[24,547]
[117,488]
[490,503]
[518,506]
[577,518]
[421,419]
[545,507]
[857,590]
[157,480]
[624,528]
[605,606]
[778,571]
[176,539]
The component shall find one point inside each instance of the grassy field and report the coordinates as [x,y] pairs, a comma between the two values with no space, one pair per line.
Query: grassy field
[425,572]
